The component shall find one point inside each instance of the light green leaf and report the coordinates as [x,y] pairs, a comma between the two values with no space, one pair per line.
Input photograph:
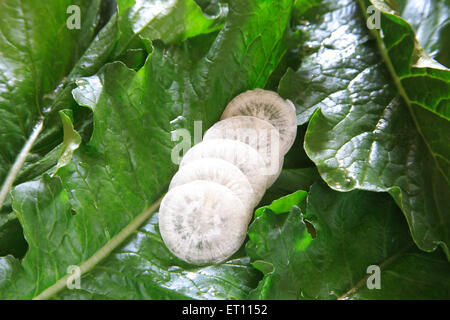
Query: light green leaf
[168,20]
[36,54]
[71,140]
[115,181]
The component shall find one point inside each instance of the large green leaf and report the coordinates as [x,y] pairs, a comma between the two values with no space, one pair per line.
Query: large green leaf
[169,20]
[143,268]
[44,87]
[115,180]
[54,238]
[11,233]
[423,84]
[36,54]
[363,135]
[355,230]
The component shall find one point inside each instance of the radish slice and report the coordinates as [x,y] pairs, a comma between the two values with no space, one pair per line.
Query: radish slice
[202,222]
[268,106]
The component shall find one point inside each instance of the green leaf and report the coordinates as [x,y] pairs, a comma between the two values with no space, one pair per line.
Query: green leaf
[355,230]
[8,268]
[71,140]
[48,85]
[145,263]
[430,20]
[289,181]
[116,180]
[133,58]
[169,20]
[11,236]
[423,83]
[362,135]
[29,69]
[99,51]
[283,204]
[33,171]
[44,212]
[36,54]
[212,8]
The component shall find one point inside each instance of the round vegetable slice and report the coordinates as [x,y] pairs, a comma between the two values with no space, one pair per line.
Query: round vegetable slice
[268,106]
[202,222]
[247,159]
[258,134]
[219,171]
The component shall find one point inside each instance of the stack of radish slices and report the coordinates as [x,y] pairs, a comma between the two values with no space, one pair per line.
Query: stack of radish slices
[203,219]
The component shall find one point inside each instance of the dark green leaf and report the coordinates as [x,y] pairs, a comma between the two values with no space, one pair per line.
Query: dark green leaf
[144,269]
[290,180]
[99,52]
[430,20]
[355,230]
[9,266]
[365,136]
[212,8]
[11,236]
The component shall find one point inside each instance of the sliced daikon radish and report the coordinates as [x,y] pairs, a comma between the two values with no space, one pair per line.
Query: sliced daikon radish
[258,134]
[246,158]
[221,172]
[202,222]
[268,106]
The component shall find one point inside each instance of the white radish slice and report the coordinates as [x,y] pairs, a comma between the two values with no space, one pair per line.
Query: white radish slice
[268,106]
[221,172]
[202,222]
[258,134]
[247,159]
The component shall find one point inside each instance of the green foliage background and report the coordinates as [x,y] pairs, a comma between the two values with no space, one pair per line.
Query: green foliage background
[366,182]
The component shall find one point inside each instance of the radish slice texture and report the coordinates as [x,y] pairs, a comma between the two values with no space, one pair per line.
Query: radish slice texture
[221,172]
[202,222]
[258,134]
[241,155]
[268,106]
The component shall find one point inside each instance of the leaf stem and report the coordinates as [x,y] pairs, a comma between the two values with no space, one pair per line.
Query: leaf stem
[19,162]
[103,252]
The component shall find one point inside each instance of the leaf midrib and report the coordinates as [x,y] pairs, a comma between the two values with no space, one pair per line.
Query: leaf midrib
[103,252]
[400,88]
[388,261]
